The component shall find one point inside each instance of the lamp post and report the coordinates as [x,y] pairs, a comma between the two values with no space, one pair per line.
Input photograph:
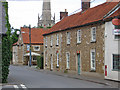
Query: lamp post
[30,45]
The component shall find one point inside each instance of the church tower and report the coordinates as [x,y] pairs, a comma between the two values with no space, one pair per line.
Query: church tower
[46,19]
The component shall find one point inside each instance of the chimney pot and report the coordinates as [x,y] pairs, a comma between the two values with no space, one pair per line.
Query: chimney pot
[63,14]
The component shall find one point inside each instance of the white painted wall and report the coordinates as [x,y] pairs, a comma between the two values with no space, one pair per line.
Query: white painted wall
[15,54]
[111,47]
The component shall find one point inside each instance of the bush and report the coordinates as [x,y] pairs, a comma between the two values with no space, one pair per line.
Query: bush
[39,62]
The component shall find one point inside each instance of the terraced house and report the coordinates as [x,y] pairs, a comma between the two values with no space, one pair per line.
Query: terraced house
[76,44]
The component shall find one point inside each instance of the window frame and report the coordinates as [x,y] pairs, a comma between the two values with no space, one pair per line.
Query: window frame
[113,67]
[51,41]
[93,35]
[67,60]
[57,59]
[57,41]
[68,38]
[78,36]
[91,59]
[36,46]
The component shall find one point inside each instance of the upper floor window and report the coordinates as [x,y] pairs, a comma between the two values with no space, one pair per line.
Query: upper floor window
[93,34]
[68,37]
[36,48]
[46,41]
[79,36]
[116,62]
[117,32]
[93,61]
[57,40]
[51,41]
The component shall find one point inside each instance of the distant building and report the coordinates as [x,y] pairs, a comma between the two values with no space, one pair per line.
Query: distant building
[21,49]
[45,20]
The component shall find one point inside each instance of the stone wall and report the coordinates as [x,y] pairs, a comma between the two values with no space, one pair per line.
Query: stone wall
[84,47]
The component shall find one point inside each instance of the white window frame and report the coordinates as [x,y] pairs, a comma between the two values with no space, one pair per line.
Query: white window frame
[79,36]
[67,60]
[57,43]
[46,42]
[93,35]
[51,42]
[93,59]
[68,37]
[57,59]
[35,49]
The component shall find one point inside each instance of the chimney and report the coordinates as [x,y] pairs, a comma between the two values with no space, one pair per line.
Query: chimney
[85,4]
[112,0]
[63,14]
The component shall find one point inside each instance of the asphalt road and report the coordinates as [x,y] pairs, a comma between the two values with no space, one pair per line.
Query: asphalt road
[24,75]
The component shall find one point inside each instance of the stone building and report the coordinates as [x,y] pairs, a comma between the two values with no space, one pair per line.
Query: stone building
[76,44]
[21,48]
[46,20]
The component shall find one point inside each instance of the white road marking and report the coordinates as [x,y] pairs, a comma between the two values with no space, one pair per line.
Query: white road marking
[23,86]
[15,86]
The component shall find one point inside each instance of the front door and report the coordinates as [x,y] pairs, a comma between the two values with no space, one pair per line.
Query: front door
[78,57]
[51,63]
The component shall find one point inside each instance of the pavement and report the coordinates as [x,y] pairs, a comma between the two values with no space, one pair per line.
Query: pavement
[112,83]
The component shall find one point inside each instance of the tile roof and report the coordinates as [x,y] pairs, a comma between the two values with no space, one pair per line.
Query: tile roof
[36,35]
[15,44]
[91,15]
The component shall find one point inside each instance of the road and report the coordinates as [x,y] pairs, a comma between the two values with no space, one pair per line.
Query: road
[30,78]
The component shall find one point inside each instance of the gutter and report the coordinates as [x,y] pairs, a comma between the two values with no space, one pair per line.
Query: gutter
[100,21]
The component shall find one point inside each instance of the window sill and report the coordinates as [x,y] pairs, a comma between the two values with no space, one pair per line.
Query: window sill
[116,70]
[78,43]
[57,45]
[57,66]
[93,41]
[92,70]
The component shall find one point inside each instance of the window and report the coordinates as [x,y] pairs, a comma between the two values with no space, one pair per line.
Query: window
[93,34]
[36,48]
[34,58]
[57,40]
[51,41]
[46,60]
[57,59]
[79,36]
[28,47]
[116,62]
[68,37]
[93,60]
[68,60]
[46,42]
[117,32]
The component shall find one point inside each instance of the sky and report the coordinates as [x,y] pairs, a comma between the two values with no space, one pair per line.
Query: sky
[23,12]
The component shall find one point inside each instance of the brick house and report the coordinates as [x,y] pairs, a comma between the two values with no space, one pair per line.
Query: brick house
[21,48]
[76,43]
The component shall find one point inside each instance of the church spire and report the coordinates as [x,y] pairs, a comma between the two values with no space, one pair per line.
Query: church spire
[45,20]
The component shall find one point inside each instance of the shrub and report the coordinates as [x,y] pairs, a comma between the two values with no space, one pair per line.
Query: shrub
[39,62]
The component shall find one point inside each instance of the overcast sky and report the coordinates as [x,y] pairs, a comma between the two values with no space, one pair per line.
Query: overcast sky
[26,12]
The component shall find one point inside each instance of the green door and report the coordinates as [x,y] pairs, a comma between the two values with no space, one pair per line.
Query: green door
[78,56]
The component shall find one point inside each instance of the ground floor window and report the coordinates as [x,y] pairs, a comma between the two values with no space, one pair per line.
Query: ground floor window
[93,67]
[34,58]
[116,62]
[68,60]
[57,59]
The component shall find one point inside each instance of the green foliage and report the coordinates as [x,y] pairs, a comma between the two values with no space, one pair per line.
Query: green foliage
[6,47]
[65,71]
[39,61]
[14,37]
